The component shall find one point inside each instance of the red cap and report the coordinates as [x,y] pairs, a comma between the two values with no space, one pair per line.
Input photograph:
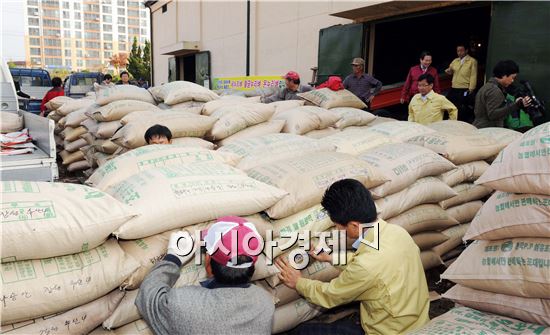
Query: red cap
[232,236]
[291,75]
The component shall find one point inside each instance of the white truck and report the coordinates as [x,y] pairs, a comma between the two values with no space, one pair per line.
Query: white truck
[41,164]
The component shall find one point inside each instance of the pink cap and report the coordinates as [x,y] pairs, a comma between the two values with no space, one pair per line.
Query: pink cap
[233,236]
[291,75]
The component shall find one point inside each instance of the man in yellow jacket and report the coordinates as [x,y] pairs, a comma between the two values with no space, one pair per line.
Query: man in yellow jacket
[464,72]
[427,106]
[388,281]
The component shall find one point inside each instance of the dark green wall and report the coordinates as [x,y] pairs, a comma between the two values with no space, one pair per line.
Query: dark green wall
[521,31]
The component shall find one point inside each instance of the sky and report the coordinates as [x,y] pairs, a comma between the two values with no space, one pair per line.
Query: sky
[12,30]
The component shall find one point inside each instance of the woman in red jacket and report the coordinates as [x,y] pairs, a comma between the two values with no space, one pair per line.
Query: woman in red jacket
[56,91]
[411,84]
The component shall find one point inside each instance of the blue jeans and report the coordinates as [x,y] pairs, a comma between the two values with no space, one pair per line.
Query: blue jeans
[345,326]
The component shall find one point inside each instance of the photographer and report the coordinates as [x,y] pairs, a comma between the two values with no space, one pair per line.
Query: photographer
[491,108]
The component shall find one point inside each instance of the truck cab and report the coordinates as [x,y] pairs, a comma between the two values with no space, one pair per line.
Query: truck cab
[33,82]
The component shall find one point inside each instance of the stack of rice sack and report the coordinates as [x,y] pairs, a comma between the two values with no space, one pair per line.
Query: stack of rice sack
[103,121]
[303,168]
[184,121]
[57,257]
[506,269]
[175,187]
[70,135]
[464,146]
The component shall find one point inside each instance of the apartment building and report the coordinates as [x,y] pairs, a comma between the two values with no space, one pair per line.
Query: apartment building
[82,34]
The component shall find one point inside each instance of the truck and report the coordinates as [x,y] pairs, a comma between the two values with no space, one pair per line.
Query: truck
[33,82]
[41,164]
[80,83]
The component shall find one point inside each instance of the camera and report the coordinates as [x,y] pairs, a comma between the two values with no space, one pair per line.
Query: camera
[536,110]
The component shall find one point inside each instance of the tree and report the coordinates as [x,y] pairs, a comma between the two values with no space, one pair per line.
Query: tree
[11,64]
[135,61]
[119,61]
[147,61]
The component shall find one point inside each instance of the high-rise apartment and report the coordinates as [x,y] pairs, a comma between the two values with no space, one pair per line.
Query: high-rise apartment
[82,34]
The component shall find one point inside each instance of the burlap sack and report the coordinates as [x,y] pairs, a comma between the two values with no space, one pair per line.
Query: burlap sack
[51,285]
[79,320]
[68,158]
[402,164]
[122,92]
[401,130]
[453,127]
[271,148]
[186,104]
[355,141]
[430,259]
[428,239]
[181,124]
[327,98]
[307,177]
[459,149]
[423,218]
[318,134]
[465,212]
[177,92]
[105,146]
[352,117]
[74,119]
[74,145]
[106,130]
[426,190]
[517,266]
[465,193]
[380,120]
[264,128]
[503,136]
[304,119]
[57,102]
[150,157]
[526,309]
[193,142]
[138,327]
[116,110]
[464,320]
[89,138]
[281,106]
[314,219]
[91,125]
[54,116]
[455,235]
[62,122]
[508,215]
[522,167]
[468,172]
[78,166]
[292,314]
[74,105]
[190,194]
[125,313]
[41,219]
[10,122]
[211,106]
[234,118]
[282,294]
[72,134]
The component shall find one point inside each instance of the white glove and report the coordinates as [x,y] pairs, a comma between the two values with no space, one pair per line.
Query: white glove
[181,245]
